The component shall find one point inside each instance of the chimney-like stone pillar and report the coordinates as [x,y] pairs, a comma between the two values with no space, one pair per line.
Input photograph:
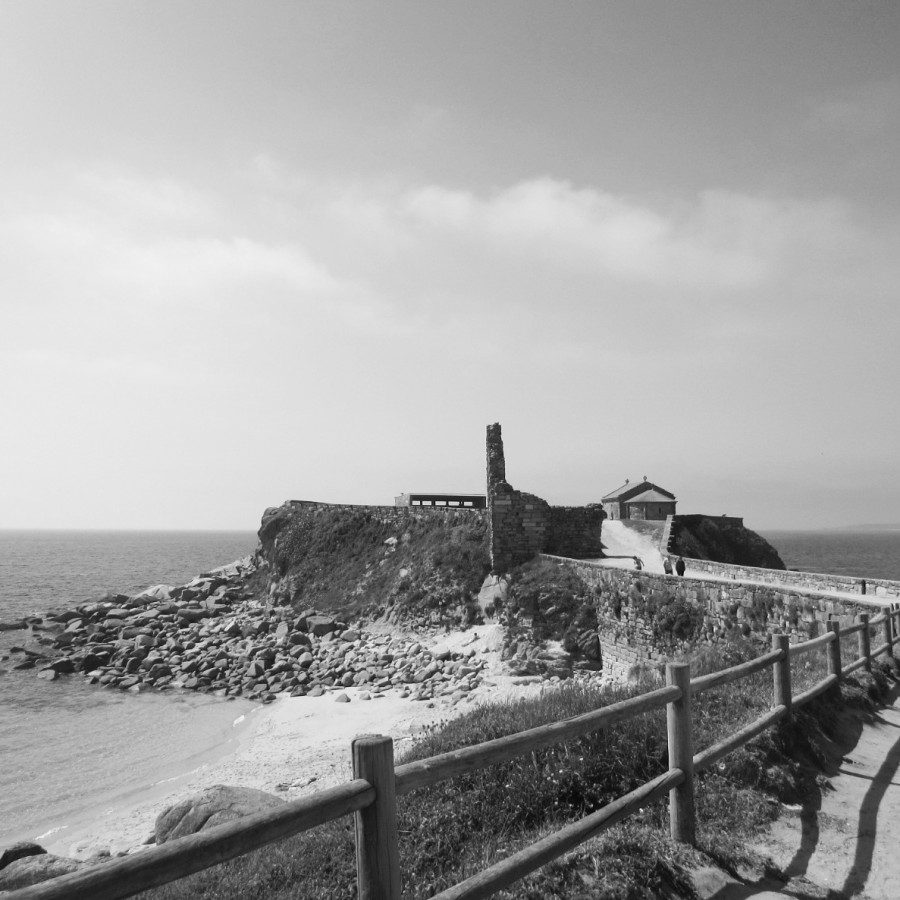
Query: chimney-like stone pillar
[496,463]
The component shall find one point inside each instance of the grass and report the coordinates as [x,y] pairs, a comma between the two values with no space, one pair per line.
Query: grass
[454,829]
[355,562]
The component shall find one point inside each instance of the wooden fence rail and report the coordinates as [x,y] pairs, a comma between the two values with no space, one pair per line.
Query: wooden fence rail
[371,796]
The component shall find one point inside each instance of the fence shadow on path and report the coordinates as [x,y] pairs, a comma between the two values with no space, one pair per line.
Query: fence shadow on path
[867,826]
[867,823]
[851,731]
[847,736]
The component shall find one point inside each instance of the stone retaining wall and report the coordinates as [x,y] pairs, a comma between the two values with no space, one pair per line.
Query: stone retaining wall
[628,603]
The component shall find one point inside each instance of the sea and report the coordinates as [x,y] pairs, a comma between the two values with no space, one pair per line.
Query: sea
[70,750]
[862,553]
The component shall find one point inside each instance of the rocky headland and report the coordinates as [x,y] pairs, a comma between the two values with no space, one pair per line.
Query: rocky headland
[241,630]
[348,604]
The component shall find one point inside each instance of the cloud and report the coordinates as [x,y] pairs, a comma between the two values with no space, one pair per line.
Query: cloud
[723,241]
[592,232]
[154,240]
[546,263]
[153,200]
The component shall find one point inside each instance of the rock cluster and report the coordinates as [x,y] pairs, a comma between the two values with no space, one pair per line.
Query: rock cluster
[25,864]
[525,656]
[211,636]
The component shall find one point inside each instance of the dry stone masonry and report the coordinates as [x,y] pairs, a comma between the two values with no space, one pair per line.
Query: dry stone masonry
[523,525]
[632,607]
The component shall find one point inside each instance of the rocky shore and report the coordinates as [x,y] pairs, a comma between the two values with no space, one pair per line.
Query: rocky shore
[211,636]
[215,635]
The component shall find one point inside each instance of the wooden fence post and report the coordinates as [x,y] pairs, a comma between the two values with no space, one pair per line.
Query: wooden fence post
[377,851]
[682,823]
[781,673]
[887,633]
[834,650]
[865,644]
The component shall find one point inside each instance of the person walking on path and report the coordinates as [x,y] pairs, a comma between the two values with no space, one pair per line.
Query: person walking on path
[667,565]
[679,566]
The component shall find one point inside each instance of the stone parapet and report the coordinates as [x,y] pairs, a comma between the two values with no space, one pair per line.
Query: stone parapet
[629,603]
[880,588]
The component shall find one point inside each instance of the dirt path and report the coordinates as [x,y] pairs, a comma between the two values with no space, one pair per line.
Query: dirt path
[849,846]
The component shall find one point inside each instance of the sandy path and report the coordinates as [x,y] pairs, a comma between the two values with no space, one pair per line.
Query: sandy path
[850,844]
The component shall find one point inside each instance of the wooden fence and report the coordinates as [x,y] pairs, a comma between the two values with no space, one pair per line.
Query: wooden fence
[371,795]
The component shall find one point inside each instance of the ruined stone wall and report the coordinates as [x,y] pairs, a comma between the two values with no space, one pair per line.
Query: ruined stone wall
[519,526]
[523,525]
[630,603]
[384,513]
[575,531]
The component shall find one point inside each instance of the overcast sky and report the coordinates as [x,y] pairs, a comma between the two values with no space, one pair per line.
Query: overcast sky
[252,252]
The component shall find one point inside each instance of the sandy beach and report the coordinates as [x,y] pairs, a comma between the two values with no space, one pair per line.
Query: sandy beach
[292,748]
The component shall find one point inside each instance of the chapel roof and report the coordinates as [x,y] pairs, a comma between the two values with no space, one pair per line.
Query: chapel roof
[651,496]
[628,490]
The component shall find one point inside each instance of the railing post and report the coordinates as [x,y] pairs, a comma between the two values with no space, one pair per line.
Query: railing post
[834,650]
[888,636]
[681,754]
[377,852]
[865,644]
[781,673]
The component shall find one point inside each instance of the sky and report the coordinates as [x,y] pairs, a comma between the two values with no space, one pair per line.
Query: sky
[252,252]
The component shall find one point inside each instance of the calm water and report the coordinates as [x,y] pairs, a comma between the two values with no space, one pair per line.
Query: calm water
[67,747]
[863,554]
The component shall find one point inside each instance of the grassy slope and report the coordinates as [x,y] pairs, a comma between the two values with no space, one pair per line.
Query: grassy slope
[454,829]
[353,563]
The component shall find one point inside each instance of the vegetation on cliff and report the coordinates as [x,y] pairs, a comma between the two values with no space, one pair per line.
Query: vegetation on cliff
[552,600]
[354,562]
[722,540]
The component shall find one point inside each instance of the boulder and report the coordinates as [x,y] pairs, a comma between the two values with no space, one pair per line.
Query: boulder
[193,614]
[18,851]
[214,806]
[321,625]
[30,870]
[63,666]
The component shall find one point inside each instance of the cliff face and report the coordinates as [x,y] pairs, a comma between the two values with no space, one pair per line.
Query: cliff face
[722,540]
[421,564]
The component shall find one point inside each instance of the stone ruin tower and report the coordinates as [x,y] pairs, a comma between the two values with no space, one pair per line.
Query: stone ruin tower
[523,525]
